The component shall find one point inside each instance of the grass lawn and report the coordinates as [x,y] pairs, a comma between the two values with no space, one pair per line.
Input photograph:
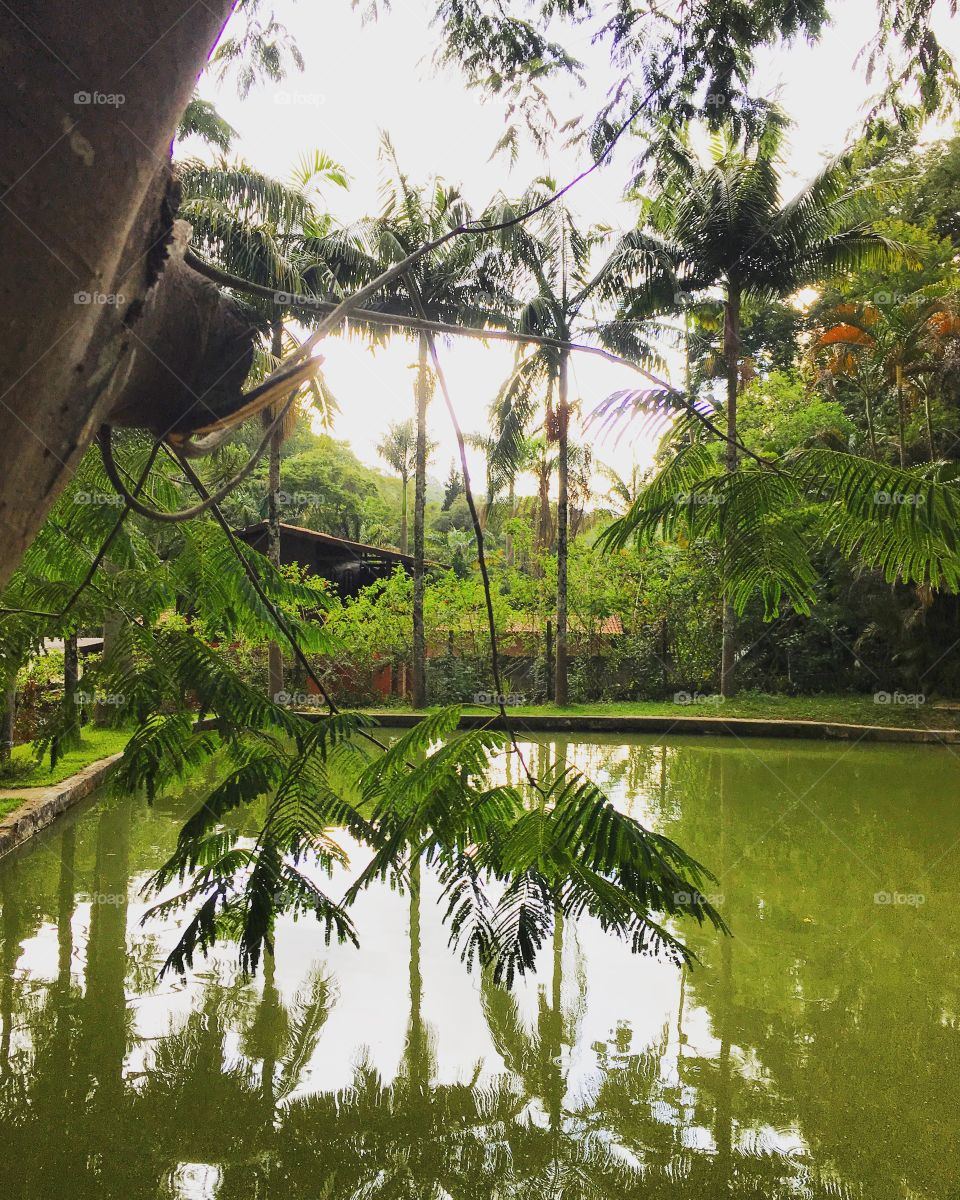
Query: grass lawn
[25,773]
[852,710]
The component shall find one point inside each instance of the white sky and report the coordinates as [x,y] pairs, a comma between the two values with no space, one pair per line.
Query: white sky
[360,80]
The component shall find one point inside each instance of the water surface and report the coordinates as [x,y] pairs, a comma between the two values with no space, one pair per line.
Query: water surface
[814,1054]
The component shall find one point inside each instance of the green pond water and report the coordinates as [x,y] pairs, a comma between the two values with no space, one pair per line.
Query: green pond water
[816,1053]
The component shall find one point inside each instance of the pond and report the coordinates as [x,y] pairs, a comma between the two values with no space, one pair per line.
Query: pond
[816,1053]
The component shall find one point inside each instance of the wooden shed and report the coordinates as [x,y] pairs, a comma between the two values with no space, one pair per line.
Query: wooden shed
[349,566]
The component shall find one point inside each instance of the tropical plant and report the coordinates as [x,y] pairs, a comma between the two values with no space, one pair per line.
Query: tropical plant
[398,448]
[554,260]
[723,224]
[254,228]
[623,490]
[894,347]
[459,283]
[770,517]
[201,118]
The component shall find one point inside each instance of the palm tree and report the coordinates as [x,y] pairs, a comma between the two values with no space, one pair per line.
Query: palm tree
[460,283]
[542,465]
[555,261]
[256,228]
[897,346]
[398,448]
[835,350]
[623,490]
[723,225]
[71,683]
[580,483]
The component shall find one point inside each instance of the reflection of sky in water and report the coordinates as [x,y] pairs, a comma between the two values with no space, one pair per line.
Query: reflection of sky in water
[701,1033]
[195,1181]
[607,987]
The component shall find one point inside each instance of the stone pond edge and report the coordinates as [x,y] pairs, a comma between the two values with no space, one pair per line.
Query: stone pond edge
[716,726]
[42,805]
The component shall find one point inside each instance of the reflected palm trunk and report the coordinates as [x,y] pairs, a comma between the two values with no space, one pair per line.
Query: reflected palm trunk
[723,1129]
[10,927]
[554,1043]
[65,908]
[680,1007]
[268,1020]
[66,903]
[105,1011]
[417,1049]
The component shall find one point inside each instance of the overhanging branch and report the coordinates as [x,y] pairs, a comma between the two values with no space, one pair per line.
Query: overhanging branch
[366,316]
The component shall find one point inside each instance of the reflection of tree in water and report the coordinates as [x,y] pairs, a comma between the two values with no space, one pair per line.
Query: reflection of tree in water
[843,1003]
[409,1139]
[795,1024]
[73,1123]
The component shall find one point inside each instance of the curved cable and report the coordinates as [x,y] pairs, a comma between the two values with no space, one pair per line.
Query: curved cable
[104,441]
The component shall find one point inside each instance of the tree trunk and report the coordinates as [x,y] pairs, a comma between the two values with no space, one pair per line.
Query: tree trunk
[543,473]
[901,418]
[931,448]
[103,1012]
[106,714]
[548,658]
[554,1069]
[731,346]
[563,472]
[8,721]
[398,670]
[419,697]
[404,479]
[13,898]
[71,680]
[87,205]
[417,1047]
[274,653]
[269,1020]
[511,505]
[871,435]
[543,527]
[66,903]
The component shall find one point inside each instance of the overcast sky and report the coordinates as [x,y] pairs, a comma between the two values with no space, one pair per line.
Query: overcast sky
[362,79]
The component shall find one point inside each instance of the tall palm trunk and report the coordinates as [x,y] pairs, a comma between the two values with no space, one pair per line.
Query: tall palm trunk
[404,481]
[563,473]
[511,508]
[868,413]
[543,487]
[731,346]
[419,509]
[274,653]
[931,447]
[901,418]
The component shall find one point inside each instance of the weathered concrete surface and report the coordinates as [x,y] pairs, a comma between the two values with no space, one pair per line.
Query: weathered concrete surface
[41,805]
